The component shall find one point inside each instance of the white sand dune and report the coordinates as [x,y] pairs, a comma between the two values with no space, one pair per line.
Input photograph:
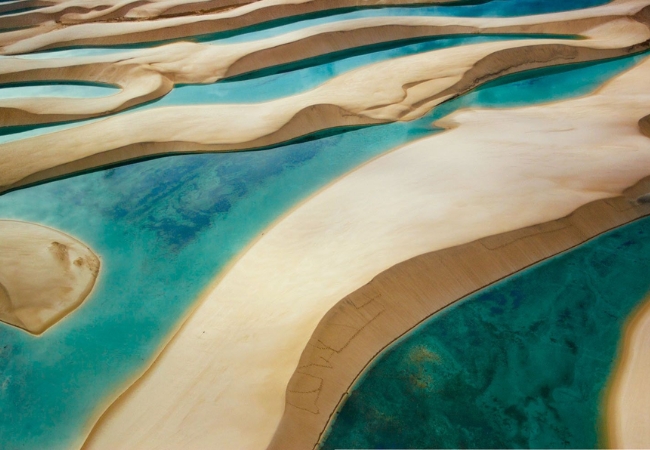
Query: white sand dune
[410,87]
[220,382]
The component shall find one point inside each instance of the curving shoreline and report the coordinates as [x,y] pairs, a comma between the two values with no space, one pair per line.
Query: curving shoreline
[410,91]
[324,256]
[497,190]
[364,323]
[626,420]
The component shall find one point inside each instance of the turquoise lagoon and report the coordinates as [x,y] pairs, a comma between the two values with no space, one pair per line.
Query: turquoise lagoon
[164,228]
[492,8]
[57,89]
[521,364]
[260,87]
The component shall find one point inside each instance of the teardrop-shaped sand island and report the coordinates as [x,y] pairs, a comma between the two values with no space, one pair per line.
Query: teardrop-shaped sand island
[44,275]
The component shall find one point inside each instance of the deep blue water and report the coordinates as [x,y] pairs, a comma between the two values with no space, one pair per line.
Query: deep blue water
[521,364]
[164,228]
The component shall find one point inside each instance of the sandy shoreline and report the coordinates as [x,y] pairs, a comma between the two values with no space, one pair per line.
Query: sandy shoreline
[74,22]
[415,199]
[399,299]
[627,420]
[411,86]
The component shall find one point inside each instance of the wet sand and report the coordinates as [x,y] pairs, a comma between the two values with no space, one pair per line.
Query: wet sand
[410,87]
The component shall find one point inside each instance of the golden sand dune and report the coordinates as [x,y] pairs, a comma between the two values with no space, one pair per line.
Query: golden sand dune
[139,85]
[410,87]
[196,63]
[628,396]
[361,325]
[44,275]
[59,13]
[82,22]
[509,169]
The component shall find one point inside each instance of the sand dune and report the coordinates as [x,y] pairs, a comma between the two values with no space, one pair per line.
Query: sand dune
[644,125]
[509,169]
[361,325]
[628,416]
[44,275]
[410,87]
[105,22]
[198,63]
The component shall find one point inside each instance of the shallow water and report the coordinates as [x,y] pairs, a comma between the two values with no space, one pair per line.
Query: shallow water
[164,228]
[493,8]
[277,85]
[58,89]
[521,364]
[268,87]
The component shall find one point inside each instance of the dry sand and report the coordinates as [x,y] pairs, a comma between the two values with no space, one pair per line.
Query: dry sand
[197,63]
[221,381]
[44,275]
[105,22]
[361,325]
[628,396]
[410,87]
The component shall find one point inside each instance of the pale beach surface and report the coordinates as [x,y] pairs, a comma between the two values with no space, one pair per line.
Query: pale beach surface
[221,380]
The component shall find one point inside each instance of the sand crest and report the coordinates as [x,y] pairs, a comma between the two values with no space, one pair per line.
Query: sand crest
[410,87]
[501,176]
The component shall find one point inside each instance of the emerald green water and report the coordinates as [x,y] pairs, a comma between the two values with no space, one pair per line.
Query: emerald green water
[164,228]
[521,364]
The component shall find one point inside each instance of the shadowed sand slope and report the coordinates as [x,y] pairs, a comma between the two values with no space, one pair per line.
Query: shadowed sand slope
[628,417]
[44,274]
[104,22]
[361,325]
[410,87]
[509,169]
[200,63]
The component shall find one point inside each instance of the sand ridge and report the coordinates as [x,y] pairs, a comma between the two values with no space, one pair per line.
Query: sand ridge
[79,22]
[198,63]
[417,199]
[626,403]
[360,326]
[411,86]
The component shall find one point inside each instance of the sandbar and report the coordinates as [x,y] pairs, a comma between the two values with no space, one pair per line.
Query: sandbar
[44,275]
